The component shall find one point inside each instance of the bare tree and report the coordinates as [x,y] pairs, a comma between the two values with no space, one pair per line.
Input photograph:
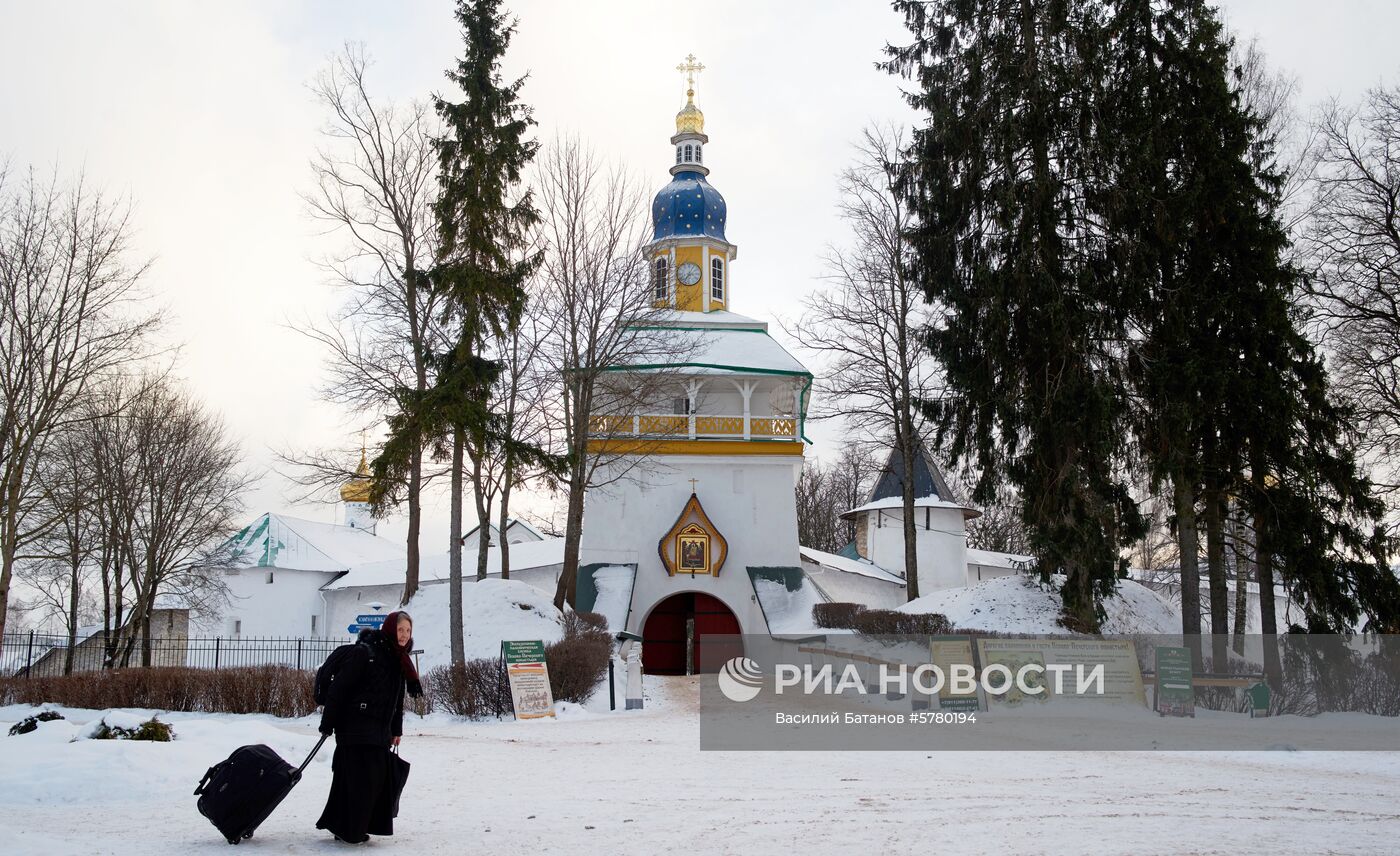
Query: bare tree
[62,569]
[1353,239]
[527,394]
[375,184]
[187,487]
[826,491]
[593,290]
[70,315]
[870,323]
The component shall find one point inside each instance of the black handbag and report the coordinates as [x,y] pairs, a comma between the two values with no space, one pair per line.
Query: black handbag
[398,776]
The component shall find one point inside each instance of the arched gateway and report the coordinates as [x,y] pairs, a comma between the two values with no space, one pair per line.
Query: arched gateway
[688,633]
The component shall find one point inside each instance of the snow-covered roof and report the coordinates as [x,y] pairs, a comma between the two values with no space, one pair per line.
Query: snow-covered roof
[717,318]
[715,349]
[850,566]
[895,502]
[291,543]
[993,559]
[515,525]
[527,554]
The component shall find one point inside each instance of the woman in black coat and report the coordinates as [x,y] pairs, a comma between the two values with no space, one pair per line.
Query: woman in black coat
[364,709]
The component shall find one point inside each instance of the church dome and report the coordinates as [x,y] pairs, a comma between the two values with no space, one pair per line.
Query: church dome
[688,207]
[690,120]
[357,489]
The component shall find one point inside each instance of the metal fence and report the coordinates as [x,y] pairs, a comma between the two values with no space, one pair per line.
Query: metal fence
[46,655]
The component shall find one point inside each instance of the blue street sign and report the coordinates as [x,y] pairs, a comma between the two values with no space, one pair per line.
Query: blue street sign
[371,620]
[353,629]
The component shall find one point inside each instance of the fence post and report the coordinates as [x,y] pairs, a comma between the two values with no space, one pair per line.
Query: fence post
[29,658]
[217,640]
[298,653]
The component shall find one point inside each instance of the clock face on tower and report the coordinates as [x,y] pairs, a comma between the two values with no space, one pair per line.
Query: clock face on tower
[688,273]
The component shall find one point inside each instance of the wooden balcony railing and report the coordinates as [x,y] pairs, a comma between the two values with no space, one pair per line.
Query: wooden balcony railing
[695,427]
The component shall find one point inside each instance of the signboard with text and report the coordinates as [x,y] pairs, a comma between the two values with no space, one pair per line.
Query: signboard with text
[1175,695]
[528,673]
[945,653]
[1122,676]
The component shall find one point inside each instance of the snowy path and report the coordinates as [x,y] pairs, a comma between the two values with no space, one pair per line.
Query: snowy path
[637,784]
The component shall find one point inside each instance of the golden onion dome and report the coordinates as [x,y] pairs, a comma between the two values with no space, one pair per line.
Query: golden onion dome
[690,120]
[357,488]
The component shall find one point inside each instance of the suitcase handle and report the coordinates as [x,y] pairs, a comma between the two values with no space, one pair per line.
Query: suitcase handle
[314,750]
[208,774]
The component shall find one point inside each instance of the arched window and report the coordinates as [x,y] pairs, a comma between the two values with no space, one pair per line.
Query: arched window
[678,153]
[698,158]
[689,152]
[717,279]
[660,281]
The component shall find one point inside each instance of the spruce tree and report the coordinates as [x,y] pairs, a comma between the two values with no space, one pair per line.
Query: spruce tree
[1231,398]
[483,219]
[1030,344]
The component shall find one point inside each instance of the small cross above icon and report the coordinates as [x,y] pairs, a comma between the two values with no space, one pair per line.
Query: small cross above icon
[692,485]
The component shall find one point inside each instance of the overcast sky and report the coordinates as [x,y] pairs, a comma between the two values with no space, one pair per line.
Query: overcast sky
[201,114]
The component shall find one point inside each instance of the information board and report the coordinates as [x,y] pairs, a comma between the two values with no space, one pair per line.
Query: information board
[530,695]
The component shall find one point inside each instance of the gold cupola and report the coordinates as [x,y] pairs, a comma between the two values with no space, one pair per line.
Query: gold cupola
[690,120]
[358,487]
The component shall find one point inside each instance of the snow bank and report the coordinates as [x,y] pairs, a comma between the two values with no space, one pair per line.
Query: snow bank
[492,611]
[48,766]
[614,584]
[788,611]
[1020,605]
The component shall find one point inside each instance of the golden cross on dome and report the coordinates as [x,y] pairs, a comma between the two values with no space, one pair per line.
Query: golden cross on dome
[692,485]
[690,68]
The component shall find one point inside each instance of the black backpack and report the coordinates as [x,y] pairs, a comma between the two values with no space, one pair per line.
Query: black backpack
[325,676]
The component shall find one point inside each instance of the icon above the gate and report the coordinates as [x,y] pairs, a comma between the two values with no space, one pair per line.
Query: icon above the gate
[693,545]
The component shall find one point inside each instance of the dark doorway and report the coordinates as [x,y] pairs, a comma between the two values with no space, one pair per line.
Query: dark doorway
[684,626]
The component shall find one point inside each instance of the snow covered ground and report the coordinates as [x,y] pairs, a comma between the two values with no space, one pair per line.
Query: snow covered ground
[1021,605]
[595,782]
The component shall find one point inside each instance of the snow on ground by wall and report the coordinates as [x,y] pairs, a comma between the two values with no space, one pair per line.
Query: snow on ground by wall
[614,584]
[1021,605]
[492,611]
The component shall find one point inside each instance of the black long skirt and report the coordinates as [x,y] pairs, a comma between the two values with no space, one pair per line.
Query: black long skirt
[360,802]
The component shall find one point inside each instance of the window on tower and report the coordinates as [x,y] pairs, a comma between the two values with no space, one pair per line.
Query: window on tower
[679,152]
[689,152]
[660,281]
[698,158]
[717,279]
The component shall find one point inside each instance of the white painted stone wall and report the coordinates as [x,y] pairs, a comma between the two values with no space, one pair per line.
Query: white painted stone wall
[941,543]
[844,587]
[977,573]
[282,608]
[749,499]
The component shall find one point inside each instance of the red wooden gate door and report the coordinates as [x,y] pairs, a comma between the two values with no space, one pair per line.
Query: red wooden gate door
[663,637]
[666,628]
[712,621]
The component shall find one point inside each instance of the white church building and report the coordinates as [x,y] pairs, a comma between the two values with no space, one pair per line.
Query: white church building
[700,540]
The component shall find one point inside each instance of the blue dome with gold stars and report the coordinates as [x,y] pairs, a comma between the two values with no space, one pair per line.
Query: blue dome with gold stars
[688,207]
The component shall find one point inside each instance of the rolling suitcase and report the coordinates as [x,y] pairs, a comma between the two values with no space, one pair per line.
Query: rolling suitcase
[239,793]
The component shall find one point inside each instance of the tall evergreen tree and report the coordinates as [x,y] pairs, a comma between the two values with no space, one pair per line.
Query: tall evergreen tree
[483,220]
[1226,382]
[1004,240]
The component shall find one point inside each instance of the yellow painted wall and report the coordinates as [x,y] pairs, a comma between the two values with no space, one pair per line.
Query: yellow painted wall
[689,298]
